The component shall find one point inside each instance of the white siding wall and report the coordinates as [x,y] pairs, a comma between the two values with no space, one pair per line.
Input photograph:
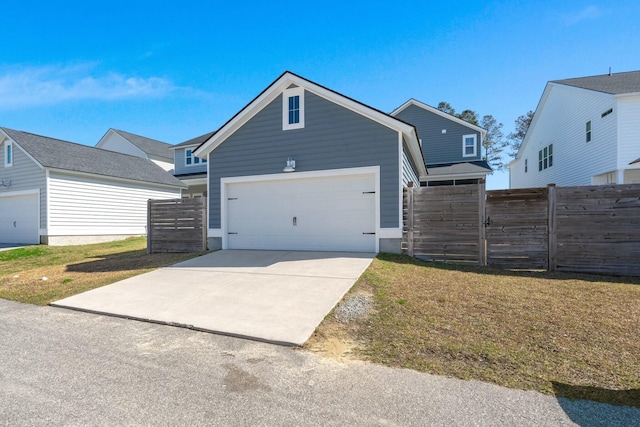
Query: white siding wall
[85,206]
[115,142]
[628,130]
[561,122]
[408,173]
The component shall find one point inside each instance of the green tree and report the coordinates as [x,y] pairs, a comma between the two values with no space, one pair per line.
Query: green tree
[493,143]
[515,138]
[469,116]
[446,107]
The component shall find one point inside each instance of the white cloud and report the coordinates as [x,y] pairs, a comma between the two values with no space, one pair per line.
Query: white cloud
[33,86]
[590,12]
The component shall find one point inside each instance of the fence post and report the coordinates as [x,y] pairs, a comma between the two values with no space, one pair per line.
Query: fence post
[551,215]
[149,228]
[482,239]
[410,220]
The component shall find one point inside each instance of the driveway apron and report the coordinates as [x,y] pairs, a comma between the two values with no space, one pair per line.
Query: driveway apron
[272,296]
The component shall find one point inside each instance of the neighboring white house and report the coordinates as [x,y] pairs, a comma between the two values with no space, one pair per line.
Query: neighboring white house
[128,143]
[585,131]
[56,192]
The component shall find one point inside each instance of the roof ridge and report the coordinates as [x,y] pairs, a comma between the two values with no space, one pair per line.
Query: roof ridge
[77,144]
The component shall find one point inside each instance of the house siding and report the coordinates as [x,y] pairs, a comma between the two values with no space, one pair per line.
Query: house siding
[181,168]
[333,138]
[440,148]
[117,143]
[82,205]
[409,169]
[25,175]
[562,122]
[628,131]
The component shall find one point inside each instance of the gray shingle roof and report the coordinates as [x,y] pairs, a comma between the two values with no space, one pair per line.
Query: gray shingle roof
[615,83]
[480,166]
[58,154]
[196,141]
[150,146]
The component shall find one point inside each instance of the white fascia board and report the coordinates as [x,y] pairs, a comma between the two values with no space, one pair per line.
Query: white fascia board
[115,179]
[434,110]
[286,80]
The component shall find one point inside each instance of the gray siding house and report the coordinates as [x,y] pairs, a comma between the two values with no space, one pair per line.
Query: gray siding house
[302,167]
[189,168]
[453,146]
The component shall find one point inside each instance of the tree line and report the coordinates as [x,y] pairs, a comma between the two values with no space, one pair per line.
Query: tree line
[495,143]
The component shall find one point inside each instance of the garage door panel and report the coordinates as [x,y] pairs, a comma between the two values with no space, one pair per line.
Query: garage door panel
[331,213]
[19,217]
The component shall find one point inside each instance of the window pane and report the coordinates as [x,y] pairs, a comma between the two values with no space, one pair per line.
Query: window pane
[188,160]
[9,154]
[540,155]
[196,160]
[540,165]
[550,149]
[550,161]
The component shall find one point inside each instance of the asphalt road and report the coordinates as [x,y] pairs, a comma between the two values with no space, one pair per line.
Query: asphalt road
[61,367]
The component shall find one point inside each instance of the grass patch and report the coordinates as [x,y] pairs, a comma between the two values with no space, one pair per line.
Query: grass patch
[70,270]
[570,335]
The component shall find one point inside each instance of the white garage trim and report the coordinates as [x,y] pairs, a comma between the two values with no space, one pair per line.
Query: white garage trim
[224,182]
[20,193]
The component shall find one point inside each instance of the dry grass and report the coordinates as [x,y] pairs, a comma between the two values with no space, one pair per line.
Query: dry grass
[570,335]
[70,270]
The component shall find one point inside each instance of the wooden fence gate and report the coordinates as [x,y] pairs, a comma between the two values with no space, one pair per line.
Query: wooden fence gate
[177,225]
[517,228]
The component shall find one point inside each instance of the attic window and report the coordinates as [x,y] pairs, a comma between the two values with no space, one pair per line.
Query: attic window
[190,159]
[606,113]
[8,154]
[293,108]
[588,128]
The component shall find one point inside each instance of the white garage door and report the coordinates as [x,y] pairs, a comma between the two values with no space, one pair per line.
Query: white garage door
[323,214]
[19,219]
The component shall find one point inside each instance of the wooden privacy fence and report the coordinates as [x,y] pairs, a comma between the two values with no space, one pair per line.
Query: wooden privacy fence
[176,225]
[592,229]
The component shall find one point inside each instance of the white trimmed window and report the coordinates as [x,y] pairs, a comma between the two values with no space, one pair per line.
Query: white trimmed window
[545,158]
[588,131]
[469,145]
[190,159]
[293,108]
[8,154]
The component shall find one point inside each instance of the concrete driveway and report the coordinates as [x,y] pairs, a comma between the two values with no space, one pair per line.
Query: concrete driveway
[273,296]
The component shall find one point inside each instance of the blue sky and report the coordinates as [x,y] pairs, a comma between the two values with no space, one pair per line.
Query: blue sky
[172,71]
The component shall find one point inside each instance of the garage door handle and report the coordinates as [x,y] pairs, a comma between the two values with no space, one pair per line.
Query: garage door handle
[295,221]
[14,224]
[368,233]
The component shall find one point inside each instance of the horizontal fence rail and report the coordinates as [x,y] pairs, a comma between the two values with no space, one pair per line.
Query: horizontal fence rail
[593,229]
[176,225]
